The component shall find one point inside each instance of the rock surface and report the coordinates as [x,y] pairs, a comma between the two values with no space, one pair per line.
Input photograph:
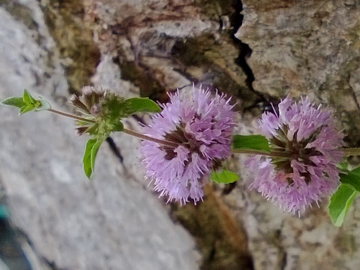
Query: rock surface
[150,48]
[111,222]
[304,48]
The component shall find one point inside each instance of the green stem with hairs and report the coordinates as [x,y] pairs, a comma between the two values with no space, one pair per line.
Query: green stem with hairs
[350,151]
[71,116]
[127,131]
[262,153]
[346,152]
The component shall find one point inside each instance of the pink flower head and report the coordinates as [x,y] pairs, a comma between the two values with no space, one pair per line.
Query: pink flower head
[305,141]
[200,128]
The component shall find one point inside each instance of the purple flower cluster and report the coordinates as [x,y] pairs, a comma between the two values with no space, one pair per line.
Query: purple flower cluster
[304,141]
[199,128]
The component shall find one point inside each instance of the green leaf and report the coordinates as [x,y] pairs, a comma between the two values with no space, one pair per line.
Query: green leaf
[91,150]
[94,152]
[87,157]
[26,103]
[340,203]
[224,177]
[117,126]
[27,98]
[351,178]
[134,105]
[250,142]
[356,171]
[14,101]
[26,108]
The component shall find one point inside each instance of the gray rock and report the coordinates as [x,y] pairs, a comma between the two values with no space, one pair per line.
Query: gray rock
[304,48]
[110,222]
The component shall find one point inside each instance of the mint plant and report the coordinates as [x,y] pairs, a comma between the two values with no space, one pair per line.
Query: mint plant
[296,160]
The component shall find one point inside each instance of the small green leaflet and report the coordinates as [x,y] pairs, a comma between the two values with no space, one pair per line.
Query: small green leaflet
[26,103]
[134,105]
[342,199]
[27,98]
[340,203]
[250,142]
[26,108]
[91,150]
[223,177]
[356,171]
[352,179]
[14,101]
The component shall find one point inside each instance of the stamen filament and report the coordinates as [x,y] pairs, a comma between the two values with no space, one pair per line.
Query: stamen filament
[145,137]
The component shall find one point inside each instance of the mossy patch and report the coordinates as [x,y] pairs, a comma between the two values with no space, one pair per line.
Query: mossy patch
[215,8]
[346,243]
[191,51]
[219,237]
[142,77]
[79,54]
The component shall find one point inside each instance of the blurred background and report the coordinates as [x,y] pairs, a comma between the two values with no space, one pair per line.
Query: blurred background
[52,217]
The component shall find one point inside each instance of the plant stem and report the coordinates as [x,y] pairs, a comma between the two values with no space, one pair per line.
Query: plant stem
[71,116]
[262,153]
[350,151]
[144,137]
[346,152]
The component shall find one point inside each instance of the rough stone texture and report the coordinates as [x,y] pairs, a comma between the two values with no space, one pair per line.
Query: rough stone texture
[111,222]
[164,45]
[151,48]
[303,48]
[306,47]
[159,48]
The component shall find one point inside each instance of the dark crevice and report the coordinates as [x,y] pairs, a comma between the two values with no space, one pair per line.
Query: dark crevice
[264,101]
[245,51]
[115,149]
[11,250]
[284,261]
[277,241]
[354,95]
[51,264]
